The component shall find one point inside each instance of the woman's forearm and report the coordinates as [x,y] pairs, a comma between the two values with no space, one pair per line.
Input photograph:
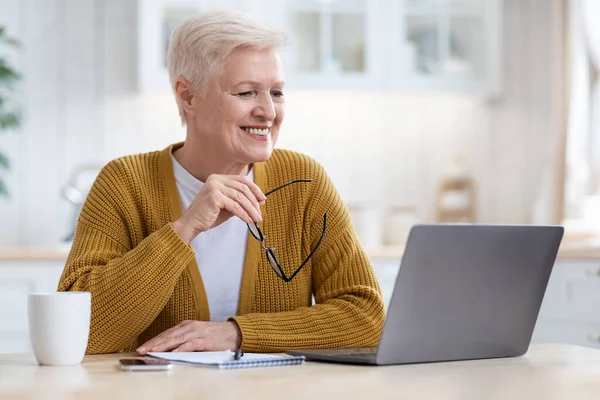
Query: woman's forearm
[129,288]
[354,319]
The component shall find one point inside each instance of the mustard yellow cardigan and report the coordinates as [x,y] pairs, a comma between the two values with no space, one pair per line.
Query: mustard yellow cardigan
[144,279]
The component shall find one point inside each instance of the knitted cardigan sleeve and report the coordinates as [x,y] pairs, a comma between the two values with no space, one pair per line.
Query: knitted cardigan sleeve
[129,284]
[349,310]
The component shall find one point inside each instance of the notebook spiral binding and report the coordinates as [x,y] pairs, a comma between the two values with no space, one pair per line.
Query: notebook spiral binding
[262,363]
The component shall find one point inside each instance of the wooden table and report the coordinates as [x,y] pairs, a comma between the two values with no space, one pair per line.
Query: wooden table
[545,372]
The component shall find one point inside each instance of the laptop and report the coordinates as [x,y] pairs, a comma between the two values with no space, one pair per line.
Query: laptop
[463,292]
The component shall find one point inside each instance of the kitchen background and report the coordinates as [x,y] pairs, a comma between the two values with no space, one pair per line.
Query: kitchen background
[420,111]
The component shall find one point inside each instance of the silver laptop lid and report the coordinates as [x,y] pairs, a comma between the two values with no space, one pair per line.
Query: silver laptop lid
[468,291]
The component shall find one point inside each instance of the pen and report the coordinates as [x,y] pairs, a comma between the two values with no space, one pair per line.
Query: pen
[238,354]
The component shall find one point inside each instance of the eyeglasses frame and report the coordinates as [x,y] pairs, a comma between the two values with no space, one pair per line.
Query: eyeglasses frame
[270,251]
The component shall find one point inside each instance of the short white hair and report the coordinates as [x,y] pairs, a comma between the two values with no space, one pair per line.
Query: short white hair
[198,46]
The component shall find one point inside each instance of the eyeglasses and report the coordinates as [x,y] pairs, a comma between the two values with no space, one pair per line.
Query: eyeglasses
[270,251]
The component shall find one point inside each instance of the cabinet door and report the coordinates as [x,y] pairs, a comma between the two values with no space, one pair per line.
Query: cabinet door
[569,312]
[573,293]
[17,280]
[445,45]
[560,331]
[331,44]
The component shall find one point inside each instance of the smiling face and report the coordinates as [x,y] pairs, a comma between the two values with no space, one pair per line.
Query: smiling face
[239,114]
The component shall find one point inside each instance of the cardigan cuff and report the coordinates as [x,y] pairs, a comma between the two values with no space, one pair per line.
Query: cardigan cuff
[175,242]
[250,338]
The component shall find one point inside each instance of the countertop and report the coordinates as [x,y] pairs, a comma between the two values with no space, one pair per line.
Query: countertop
[567,251]
[570,249]
[556,371]
[573,247]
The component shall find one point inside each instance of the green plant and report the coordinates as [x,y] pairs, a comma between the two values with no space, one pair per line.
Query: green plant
[9,114]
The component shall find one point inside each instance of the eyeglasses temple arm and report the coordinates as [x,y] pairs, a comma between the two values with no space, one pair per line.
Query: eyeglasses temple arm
[287,184]
[313,250]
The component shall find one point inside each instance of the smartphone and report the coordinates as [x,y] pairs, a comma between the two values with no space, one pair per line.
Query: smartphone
[146,364]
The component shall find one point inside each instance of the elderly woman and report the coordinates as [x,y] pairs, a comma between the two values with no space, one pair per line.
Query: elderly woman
[174,245]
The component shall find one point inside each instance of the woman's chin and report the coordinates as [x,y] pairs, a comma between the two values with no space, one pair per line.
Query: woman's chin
[260,156]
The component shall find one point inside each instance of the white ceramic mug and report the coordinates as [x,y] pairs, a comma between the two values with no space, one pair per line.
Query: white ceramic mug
[59,326]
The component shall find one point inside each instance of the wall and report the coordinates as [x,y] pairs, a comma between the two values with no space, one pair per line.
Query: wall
[379,148]
[524,141]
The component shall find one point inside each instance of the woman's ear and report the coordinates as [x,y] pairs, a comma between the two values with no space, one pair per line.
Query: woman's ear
[185,95]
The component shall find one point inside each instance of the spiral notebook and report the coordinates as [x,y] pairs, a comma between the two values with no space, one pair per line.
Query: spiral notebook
[225,360]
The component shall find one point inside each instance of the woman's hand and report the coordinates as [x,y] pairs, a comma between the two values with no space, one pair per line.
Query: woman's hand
[221,197]
[195,336]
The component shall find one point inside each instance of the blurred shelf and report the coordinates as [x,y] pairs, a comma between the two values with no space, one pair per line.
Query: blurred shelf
[34,254]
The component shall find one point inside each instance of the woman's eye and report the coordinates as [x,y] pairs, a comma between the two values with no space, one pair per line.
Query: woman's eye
[245,94]
[277,93]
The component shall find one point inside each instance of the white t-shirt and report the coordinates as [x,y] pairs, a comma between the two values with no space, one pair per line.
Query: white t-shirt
[220,252]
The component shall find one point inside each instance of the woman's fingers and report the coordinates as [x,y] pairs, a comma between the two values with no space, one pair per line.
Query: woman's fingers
[244,202]
[169,339]
[195,336]
[244,189]
[192,345]
[168,344]
[258,194]
[221,197]
[236,209]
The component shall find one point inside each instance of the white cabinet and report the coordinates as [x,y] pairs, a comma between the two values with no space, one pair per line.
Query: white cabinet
[571,309]
[401,45]
[331,44]
[445,45]
[409,45]
[17,280]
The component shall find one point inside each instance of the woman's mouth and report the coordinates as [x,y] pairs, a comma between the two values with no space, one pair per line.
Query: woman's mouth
[257,133]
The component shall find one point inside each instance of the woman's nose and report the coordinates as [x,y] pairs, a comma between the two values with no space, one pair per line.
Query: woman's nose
[265,108]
